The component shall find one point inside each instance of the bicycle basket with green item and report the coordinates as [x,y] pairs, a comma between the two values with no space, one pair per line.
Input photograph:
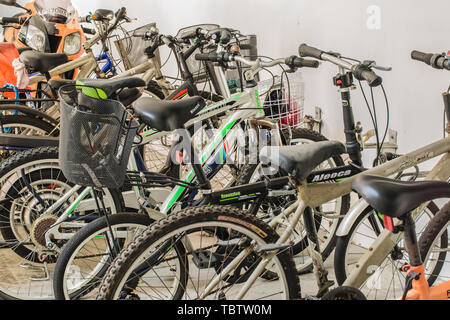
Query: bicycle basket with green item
[96,137]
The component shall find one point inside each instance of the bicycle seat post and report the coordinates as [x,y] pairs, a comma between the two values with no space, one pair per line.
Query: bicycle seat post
[446,96]
[411,244]
[188,145]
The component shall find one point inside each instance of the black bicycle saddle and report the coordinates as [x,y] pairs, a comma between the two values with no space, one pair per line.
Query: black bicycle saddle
[301,160]
[168,115]
[395,198]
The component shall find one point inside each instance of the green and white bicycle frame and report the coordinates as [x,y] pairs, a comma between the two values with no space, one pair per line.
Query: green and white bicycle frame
[247,105]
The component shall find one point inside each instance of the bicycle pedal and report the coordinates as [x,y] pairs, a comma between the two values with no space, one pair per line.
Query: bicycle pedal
[238,242]
[324,288]
[272,247]
[204,259]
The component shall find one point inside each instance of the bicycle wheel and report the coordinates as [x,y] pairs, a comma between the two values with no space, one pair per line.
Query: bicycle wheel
[86,257]
[433,245]
[23,125]
[326,226]
[211,238]
[31,182]
[387,280]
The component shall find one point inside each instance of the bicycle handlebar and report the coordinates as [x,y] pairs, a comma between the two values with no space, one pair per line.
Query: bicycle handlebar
[7,20]
[88,30]
[293,61]
[85,19]
[437,61]
[361,71]
[121,14]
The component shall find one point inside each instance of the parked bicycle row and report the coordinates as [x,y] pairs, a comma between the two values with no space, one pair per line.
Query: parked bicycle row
[120,183]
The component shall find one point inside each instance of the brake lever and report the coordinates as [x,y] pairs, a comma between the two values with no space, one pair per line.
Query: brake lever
[372,64]
[11,26]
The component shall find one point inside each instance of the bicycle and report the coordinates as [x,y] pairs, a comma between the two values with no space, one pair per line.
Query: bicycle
[351,247]
[398,200]
[249,238]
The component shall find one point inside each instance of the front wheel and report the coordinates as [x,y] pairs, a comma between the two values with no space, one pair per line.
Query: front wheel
[208,240]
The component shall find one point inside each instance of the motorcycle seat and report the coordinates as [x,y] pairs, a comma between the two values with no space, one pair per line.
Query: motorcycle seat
[42,62]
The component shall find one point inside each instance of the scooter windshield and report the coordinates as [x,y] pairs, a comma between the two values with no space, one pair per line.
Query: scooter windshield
[56,11]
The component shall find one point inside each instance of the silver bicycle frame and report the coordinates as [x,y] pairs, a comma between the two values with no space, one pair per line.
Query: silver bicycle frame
[317,194]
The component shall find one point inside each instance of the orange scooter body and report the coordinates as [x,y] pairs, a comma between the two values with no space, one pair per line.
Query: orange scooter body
[8,53]
[62,32]
[422,291]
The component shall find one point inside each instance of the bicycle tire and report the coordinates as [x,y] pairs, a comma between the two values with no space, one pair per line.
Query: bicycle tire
[193,216]
[75,244]
[437,228]
[24,250]
[342,245]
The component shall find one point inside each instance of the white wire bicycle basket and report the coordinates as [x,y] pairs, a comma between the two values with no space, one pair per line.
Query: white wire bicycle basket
[283,100]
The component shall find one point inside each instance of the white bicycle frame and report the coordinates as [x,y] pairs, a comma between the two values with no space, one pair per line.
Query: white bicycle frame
[314,195]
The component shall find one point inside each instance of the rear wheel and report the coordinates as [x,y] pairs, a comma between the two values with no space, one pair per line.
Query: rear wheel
[23,125]
[387,280]
[433,245]
[326,227]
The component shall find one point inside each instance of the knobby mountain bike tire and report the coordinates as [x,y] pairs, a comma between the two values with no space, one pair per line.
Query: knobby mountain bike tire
[235,228]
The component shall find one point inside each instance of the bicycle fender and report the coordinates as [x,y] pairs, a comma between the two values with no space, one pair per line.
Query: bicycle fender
[350,218]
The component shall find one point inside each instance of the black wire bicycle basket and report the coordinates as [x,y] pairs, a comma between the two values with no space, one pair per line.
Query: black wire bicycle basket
[96,137]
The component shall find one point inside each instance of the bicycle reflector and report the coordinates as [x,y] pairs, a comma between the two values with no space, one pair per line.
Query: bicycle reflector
[388,223]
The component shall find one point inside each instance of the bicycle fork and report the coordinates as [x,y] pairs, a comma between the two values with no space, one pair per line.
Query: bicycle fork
[267,252]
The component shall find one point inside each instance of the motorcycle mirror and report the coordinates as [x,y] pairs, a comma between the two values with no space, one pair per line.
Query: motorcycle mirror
[13,3]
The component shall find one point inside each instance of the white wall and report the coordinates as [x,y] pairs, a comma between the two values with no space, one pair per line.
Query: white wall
[282,25]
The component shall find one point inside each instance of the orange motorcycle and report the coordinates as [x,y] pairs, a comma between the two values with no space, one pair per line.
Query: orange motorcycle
[48,26]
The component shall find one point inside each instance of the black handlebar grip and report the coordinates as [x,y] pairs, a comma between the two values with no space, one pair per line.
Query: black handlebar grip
[363,73]
[306,51]
[310,63]
[202,57]
[296,62]
[214,57]
[88,30]
[423,57]
[121,13]
[6,20]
